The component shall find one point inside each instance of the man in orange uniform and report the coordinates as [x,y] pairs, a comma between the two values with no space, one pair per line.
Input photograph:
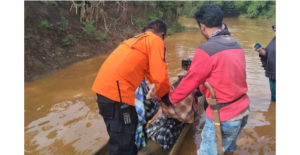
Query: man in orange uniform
[135,58]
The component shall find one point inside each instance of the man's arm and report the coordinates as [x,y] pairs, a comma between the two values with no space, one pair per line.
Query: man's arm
[197,74]
[261,51]
[263,54]
[148,77]
[158,68]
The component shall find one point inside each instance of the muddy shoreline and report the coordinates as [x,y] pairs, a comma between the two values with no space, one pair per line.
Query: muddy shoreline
[45,52]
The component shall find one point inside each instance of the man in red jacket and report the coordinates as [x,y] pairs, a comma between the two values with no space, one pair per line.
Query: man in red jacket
[221,62]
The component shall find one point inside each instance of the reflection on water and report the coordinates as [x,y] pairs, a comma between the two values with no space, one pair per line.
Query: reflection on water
[61,115]
[259,135]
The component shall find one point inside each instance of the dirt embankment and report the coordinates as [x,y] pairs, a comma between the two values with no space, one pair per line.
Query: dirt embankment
[45,51]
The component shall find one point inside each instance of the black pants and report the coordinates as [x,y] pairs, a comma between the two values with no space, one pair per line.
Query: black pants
[121,137]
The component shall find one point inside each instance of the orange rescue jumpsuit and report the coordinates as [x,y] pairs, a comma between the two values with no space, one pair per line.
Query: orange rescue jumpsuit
[135,58]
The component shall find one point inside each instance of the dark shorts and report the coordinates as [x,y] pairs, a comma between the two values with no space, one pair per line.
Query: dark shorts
[121,136]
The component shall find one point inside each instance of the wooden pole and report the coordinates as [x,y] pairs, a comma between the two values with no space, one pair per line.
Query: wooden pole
[218,133]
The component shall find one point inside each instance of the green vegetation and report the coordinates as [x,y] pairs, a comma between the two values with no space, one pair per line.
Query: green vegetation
[63,24]
[165,10]
[44,24]
[174,27]
[91,33]
[169,11]
[65,42]
[148,10]
[127,32]
[140,23]
[156,14]
[245,9]
[53,3]
[256,9]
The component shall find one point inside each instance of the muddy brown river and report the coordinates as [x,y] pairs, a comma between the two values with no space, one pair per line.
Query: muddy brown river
[61,115]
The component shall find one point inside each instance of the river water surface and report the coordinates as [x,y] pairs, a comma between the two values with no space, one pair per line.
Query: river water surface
[61,115]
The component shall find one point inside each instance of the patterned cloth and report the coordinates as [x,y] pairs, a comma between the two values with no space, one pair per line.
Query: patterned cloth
[183,111]
[164,131]
[145,111]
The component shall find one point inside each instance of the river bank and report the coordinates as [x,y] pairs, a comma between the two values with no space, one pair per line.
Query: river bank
[55,37]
